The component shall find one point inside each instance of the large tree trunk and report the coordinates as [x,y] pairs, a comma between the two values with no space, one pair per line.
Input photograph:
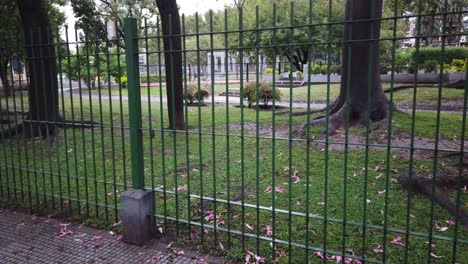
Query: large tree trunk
[360,89]
[172,43]
[361,61]
[41,59]
[4,77]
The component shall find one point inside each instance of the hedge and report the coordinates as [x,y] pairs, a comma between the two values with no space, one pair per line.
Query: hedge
[153,78]
[434,53]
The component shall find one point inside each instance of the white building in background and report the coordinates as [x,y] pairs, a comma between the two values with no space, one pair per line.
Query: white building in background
[216,64]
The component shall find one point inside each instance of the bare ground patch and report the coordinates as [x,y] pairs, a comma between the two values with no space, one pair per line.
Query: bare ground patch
[400,142]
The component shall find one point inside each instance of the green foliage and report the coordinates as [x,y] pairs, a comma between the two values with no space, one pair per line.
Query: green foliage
[123,81]
[385,67]
[457,65]
[89,64]
[265,93]
[430,65]
[317,69]
[153,78]
[270,71]
[335,69]
[434,53]
[402,59]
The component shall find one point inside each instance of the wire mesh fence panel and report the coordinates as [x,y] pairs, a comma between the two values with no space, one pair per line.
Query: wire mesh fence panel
[304,131]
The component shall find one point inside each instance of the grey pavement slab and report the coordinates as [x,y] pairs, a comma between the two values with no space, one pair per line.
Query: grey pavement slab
[31,239]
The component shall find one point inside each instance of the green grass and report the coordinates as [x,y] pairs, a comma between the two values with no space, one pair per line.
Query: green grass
[427,97]
[83,172]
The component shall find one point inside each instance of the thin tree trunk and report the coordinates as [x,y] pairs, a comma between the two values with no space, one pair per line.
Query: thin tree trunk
[170,21]
[41,59]
[4,77]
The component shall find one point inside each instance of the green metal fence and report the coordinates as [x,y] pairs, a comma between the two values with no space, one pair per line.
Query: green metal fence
[253,183]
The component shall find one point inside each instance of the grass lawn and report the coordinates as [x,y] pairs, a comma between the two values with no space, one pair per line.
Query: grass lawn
[426,97]
[338,199]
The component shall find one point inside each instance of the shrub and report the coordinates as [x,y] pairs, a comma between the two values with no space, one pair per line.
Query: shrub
[153,78]
[457,66]
[316,69]
[430,65]
[189,95]
[270,71]
[335,69]
[123,81]
[265,93]
[434,53]
[250,93]
[402,59]
[385,67]
[201,95]
[323,69]
[193,93]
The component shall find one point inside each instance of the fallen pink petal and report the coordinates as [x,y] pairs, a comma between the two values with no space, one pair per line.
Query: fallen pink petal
[119,238]
[295,178]
[397,241]
[450,222]
[319,254]
[268,189]
[269,230]
[378,249]
[279,189]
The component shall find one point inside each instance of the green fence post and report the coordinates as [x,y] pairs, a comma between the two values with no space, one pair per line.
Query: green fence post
[137,204]
[134,102]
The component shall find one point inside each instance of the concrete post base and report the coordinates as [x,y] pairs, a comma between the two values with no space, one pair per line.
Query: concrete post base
[137,216]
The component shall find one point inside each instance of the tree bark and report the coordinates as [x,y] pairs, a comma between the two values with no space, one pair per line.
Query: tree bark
[41,59]
[4,77]
[170,22]
[361,93]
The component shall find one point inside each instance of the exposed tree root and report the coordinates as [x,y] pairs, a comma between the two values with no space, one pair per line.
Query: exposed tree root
[423,185]
[335,121]
[458,84]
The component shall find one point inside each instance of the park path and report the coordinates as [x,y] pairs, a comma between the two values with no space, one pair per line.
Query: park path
[233,100]
[31,239]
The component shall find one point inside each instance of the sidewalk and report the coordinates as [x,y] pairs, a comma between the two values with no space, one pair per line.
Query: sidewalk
[30,239]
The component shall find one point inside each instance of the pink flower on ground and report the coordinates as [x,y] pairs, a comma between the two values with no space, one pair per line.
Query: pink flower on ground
[397,241]
[319,254]
[295,178]
[119,238]
[269,230]
[378,249]
[279,189]
[209,217]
